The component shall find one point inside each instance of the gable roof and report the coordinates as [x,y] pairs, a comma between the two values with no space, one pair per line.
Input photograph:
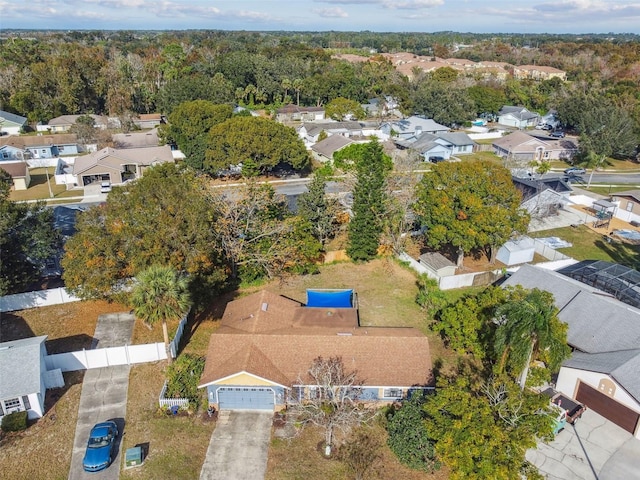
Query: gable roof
[436,260]
[315,128]
[521,142]
[597,322]
[277,338]
[531,187]
[413,123]
[68,120]
[13,118]
[456,138]
[20,367]
[31,141]
[520,113]
[15,169]
[635,194]
[291,108]
[622,366]
[136,139]
[331,144]
[114,159]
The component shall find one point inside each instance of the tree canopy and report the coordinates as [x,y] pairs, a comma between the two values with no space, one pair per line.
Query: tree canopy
[343,108]
[469,205]
[167,217]
[259,141]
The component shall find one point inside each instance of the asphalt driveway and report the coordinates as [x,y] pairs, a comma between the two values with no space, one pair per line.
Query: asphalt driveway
[594,449]
[104,396]
[239,446]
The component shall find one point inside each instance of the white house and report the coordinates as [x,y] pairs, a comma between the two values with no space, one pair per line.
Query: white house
[11,124]
[412,127]
[518,117]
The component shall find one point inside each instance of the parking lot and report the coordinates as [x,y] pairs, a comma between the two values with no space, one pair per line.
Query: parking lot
[594,449]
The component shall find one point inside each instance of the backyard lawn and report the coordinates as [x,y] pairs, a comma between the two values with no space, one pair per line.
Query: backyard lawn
[590,245]
[38,188]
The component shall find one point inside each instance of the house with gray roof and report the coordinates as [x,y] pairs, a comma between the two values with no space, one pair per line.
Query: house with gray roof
[24,377]
[439,145]
[10,123]
[518,117]
[412,127]
[63,123]
[310,131]
[323,151]
[604,333]
[542,197]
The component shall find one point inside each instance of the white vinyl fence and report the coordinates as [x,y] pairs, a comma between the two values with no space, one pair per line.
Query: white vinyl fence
[106,357]
[40,298]
[171,402]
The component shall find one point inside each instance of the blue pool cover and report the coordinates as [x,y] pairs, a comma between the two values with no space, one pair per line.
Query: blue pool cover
[329,298]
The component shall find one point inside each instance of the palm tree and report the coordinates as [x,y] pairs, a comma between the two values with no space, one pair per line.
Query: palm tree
[529,328]
[160,294]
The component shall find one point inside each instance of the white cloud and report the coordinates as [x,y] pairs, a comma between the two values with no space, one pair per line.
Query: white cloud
[412,4]
[335,12]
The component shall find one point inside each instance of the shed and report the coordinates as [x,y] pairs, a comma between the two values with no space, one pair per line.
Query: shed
[515,252]
[19,174]
[438,264]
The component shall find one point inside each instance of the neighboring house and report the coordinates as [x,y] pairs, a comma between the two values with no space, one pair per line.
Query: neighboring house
[377,107]
[43,146]
[542,197]
[11,124]
[19,171]
[310,132]
[605,335]
[518,117]
[628,203]
[64,123]
[550,119]
[437,265]
[538,72]
[323,151]
[118,165]
[136,139]
[413,127]
[260,355]
[443,145]
[145,121]
[24,377]
[521,148]
[295,113]
[9,153]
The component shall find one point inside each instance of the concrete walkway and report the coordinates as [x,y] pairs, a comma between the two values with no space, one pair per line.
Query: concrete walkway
[239,446]
[104,395]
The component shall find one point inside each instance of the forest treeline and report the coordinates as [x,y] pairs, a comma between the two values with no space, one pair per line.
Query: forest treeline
[120,73]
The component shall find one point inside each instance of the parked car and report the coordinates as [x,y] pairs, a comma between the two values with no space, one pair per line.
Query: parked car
[436,159]
[575,171]
[570,410]
[100,447]
[557,134]
[105,187]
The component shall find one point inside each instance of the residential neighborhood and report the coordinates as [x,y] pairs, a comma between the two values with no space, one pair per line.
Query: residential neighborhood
[275,257]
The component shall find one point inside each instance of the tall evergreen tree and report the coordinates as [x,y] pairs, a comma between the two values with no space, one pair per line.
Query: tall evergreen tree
[318,210]
[369,201]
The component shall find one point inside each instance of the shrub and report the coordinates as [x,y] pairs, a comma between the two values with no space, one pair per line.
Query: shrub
[183,376]
[14,422]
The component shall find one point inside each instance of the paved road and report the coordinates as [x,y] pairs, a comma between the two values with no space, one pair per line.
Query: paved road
[238,447]
[104,396]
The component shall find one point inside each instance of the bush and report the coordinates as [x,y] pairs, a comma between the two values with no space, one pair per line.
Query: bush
[183,376]
[14,422]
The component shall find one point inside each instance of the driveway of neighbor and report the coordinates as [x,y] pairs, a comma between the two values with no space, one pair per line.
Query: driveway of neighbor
[594,449]
[104,395]
[239,446]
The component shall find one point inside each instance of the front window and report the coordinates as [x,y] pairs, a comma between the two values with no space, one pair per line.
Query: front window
[12,403]
[629,206]
[392,393]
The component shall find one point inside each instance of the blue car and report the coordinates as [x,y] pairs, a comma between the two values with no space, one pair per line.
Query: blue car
[100,447]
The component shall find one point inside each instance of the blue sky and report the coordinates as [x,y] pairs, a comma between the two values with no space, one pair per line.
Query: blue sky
[482,16]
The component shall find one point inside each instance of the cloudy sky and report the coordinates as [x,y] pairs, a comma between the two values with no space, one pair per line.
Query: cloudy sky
[522,16]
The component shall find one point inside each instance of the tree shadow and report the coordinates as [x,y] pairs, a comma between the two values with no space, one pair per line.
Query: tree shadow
[14,327]
[620,252]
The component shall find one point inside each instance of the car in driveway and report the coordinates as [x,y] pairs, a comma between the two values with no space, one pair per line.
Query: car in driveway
[575,171]
[557,134]
[100,447]
[105,187]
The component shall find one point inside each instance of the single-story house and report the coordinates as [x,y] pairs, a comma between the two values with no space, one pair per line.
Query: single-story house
[64,123]
[19,171]
[443,145]
[376,107]
[437,265]
[520,148]
[11,124]
[9,153]
[310,131]
[23,376]
[542,197]
[293,113]
[605,335]
[628,203]
[518,117]
[261,354]
[43,146]
[118,165]
[323,151]
[517,251]
[149,120]
[413,126]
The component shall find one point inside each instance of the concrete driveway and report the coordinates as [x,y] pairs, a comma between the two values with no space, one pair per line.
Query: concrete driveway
[239,446]
[104,396]
[594,449]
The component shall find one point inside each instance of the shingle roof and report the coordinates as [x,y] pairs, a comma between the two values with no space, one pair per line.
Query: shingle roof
[114,159]
[331,144]
[456,138]
[635,194]
[277,338]
[136,139]
[597,322]
[30,141]
[316,127]
[409,125]
[20,367]
[622,366]
[13,118]
[64,120]
[436,260]
[15,169]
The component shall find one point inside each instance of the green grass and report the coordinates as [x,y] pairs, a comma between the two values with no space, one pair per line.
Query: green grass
[589,245]
[39,190]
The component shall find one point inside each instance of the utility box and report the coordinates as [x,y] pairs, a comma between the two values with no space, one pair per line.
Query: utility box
[133,457]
